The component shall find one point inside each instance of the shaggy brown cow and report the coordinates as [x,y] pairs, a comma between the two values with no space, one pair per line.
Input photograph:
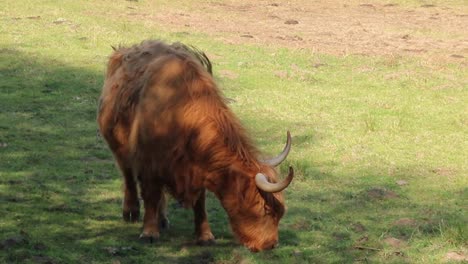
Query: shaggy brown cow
[169,128]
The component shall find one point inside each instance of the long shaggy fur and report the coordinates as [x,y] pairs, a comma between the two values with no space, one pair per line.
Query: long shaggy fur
[166,120]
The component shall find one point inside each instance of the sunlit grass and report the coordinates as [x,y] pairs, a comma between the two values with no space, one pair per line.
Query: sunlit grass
[359,124]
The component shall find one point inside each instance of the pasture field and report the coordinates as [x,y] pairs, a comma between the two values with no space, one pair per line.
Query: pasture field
[374,94]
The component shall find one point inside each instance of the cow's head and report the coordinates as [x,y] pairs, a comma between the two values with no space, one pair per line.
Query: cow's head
[260,204]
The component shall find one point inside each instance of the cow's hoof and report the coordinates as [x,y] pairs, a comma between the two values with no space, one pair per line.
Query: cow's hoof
[164,223]
[150,237]
[207,239]
[131,216]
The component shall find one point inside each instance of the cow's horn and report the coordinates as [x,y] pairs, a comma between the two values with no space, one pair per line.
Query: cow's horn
[263,184]
[281,157]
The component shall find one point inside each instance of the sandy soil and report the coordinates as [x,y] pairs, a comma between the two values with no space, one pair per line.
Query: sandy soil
[330,27]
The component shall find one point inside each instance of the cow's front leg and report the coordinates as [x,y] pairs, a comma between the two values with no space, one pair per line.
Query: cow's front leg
[202,227]
[152,196]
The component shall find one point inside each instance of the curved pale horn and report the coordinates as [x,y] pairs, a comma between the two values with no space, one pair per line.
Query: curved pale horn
[263,184]
[281,157]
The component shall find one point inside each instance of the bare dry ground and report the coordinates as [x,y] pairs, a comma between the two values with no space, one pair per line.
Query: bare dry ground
[331,27]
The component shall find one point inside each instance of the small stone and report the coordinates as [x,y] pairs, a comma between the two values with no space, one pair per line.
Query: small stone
[401,182]
[318,65]
[112,250]
[291,22]
[362,240]
[60,21]
[246,36]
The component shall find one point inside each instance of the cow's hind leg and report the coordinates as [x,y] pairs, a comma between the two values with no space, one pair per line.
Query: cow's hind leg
[131,205]
[163,220]
[152,197]
[202,227]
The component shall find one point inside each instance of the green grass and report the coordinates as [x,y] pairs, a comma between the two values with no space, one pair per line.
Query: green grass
[359,125]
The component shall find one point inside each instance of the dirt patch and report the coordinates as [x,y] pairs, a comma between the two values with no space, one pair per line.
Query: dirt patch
[204,257]
[339,236]
[358,228]
[394,242]
[40,259]
[456,256]
[332,27]
[301,225]
[228,74]
[381,193]
[405,222]
[444,172]
[12,241]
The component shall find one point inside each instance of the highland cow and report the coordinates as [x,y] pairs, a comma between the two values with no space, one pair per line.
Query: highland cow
[170,130]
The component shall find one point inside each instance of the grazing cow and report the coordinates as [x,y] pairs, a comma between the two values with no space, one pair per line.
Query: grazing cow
[170,129]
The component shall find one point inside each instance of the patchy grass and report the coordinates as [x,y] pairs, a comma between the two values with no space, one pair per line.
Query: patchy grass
[379,147]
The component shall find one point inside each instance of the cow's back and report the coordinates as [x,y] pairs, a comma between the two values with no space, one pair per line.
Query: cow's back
[124,81]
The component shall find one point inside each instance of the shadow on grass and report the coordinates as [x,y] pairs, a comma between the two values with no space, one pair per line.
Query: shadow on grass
[60,190]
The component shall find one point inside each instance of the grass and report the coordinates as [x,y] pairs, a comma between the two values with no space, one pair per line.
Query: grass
[361,125]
